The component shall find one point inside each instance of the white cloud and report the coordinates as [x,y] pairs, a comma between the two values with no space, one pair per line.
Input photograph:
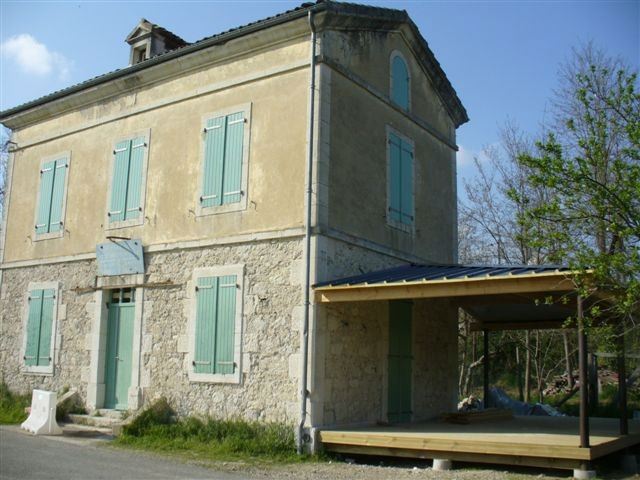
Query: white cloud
[35,58]
[465,156]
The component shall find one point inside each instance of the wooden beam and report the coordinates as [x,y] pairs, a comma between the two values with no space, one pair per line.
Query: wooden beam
[518,460]
[497,326]
[466,287]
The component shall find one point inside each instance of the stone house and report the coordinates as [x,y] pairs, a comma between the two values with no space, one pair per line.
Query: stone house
[236,172]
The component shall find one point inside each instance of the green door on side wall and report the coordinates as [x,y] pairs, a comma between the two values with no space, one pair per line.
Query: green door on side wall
[119,348]
[400,360]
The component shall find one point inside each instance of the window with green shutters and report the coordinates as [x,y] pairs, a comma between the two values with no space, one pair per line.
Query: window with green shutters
[217,325]
[39,328]
[128,182]
[52,196]
[400,84]
[225,154]
[400,188]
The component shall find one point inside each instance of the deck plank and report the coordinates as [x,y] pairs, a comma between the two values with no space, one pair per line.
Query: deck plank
[553,441]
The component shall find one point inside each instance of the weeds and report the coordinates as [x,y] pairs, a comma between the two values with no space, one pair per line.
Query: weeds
[12,406]
[157,429]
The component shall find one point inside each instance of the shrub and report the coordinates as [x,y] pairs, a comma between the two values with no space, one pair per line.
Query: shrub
[12,405]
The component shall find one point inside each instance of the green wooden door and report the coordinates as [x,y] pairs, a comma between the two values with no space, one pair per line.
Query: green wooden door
[119,349]
[400,362]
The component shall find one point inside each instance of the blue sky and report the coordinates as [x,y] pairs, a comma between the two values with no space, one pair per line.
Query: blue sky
[501,56]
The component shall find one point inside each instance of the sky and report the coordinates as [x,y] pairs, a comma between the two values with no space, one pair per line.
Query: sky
[502,57]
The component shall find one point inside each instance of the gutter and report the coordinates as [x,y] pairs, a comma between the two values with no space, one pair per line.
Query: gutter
[304,393]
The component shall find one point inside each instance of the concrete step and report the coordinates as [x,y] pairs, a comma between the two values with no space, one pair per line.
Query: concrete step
[107,412]
[95,421]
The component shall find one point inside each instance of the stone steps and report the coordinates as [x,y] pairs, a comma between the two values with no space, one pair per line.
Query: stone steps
[107,419]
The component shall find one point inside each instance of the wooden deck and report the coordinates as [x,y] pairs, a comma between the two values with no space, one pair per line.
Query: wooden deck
[550,442]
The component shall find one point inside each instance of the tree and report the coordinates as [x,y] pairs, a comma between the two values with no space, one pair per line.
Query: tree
[590,164]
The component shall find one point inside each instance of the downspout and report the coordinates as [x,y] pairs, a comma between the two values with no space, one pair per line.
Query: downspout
[300,441]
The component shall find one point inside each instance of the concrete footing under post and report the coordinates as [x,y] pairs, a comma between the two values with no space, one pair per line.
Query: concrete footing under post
[441,464]
[580,474]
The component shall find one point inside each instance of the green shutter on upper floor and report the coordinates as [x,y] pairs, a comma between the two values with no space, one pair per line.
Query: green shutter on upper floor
[223,154]
[120,181]
[406,183]
[395,163]
[52,188]
[401,171]
[215,134]
[133,204]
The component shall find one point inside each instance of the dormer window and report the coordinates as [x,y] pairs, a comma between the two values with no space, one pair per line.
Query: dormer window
[139,54]
[148,40]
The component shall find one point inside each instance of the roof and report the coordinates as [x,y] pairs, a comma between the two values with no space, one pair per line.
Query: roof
[449,281]
[149,27]
[372,14]
[499,297]
[424,273]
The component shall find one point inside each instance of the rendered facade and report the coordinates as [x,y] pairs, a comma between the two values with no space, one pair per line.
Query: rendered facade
[201,152]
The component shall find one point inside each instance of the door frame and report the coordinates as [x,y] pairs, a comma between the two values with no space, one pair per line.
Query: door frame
[98,340]
[385,362]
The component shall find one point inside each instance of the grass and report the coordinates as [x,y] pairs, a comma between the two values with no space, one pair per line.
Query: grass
[156,429]
[12,406]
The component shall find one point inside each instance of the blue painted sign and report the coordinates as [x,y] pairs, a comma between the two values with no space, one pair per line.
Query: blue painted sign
[120,257]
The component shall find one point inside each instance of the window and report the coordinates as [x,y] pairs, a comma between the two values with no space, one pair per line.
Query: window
[225,155]
[39,328]
[400,81]
[216,325]
[400,173]
[52,197]
[128,182]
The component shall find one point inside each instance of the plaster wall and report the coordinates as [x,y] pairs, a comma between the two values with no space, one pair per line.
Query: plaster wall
[276,161]
[357,190]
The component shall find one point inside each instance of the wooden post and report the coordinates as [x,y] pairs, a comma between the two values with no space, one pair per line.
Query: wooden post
[582,365]
[485,363]
[622,383]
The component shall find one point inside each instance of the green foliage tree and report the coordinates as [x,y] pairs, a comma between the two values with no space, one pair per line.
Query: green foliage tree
[592,170]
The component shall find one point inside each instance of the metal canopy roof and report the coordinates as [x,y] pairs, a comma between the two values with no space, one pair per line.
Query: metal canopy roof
[498,297]
[413,272]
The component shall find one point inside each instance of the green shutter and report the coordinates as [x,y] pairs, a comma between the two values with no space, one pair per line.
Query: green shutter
[134,184]
[46,321]
[400,83]
[206,300]
[47,175]
[225,325]
[215,134]
[120,181]
[232,176]
[395,169]
[406,183]
[39,324]
[57,195]
[33,328]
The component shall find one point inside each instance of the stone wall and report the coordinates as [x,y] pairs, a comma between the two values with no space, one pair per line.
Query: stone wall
[272,291]
[352,345]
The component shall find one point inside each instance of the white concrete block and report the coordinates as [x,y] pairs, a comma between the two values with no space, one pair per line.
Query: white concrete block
[441,464]
[42,419]
[583,474]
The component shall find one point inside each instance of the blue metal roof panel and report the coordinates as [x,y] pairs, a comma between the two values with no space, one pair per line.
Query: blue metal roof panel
[415,273]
